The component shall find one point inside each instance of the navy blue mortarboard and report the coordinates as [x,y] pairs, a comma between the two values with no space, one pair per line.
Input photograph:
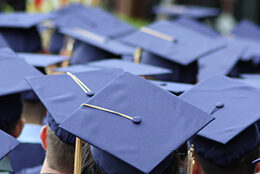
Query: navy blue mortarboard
[91,46]
[137,69]
[42,60]
[20,32]
[30,152]
[95,29]
[137,130]
[3,42]
[222,61]
[13,71]
[21,19]
[172,46]
[197,26]
[134,68]
[187,11]
[234,105]
[61,94]
[247,29]
[77,68]
[250,81]
[253,48]
[92,19]
[6,51]
[174,87]
[7,144]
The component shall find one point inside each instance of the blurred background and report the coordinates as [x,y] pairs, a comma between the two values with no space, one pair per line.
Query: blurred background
[140,12]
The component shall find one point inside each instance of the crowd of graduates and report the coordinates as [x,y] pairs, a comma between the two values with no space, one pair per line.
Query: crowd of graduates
[82,91]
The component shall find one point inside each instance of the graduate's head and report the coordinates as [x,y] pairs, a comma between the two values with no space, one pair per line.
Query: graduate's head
[13,72]
[59,146]
[228,144]
[11,107]
[236,156]
[60,156]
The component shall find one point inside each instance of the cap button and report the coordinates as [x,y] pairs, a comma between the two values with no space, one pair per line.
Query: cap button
[90,93]
[220,105]
[137,119]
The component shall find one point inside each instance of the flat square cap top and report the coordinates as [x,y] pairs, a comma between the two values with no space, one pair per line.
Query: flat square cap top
[21,19]
[77,68]
[41,60]
[247,29]
[134,68]
[6,51]
[173,42]
[252,50]
[7,143]
[149,134]
[61,95]
[187,11]
[13,72]
[197,26]
[232,103]
[94,20]
[102,42]
[222,61]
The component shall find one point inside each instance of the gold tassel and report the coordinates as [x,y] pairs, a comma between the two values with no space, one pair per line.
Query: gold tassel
[78,156]
[191,160]
[138,55]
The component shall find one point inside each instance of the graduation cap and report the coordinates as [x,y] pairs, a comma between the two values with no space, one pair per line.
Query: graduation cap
[61,94]
[131,139]
[3,43]
[253,49]
[92,27]
[7,144]
[77,68]
[137,69]
[134,68]
[250,81]
[91,46]
[247,29]
[221,62]
[6,51]
[174,87]
[13,71]
[197,26]
[234,105]
[172,46]
[187,11]
[42,60]
[20,32]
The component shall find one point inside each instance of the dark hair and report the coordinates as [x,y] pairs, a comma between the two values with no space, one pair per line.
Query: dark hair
[235,156]
[243,166]
[88,164]
[90,167]
[11,108]
[60,155]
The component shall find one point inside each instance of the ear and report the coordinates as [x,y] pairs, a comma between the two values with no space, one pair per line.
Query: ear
[19,128]
[43,136]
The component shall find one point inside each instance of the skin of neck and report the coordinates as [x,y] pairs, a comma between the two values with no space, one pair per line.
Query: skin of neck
[49,170]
